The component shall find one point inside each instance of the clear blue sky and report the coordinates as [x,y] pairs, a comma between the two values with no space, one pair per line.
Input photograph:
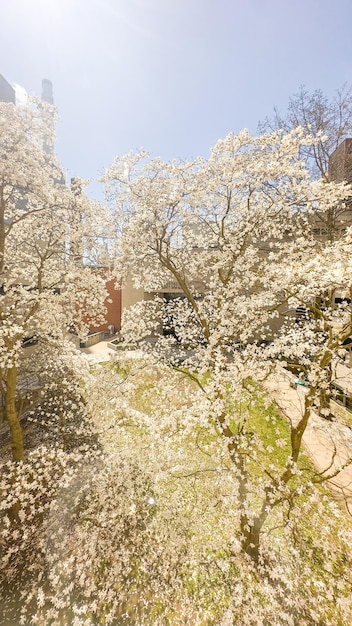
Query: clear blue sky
[171,76]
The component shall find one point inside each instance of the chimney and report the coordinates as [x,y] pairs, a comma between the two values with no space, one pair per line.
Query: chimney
[47,91]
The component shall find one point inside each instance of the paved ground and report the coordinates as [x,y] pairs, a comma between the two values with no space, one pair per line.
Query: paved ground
[98,352]
[329,444]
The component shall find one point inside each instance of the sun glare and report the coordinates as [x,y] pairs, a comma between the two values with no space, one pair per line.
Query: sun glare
[42,10]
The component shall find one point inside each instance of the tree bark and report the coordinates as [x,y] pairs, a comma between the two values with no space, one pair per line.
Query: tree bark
[12,415]
[2,230]
[251,541]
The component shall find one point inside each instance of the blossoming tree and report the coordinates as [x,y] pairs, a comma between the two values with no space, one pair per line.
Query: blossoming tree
[235,233]
[145,528]
[43,227]
[188,499]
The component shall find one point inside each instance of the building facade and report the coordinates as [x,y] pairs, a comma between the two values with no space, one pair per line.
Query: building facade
[7,92]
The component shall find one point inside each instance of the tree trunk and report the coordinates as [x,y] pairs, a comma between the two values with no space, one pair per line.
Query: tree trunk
[2,229]
[12,415]
[251,541]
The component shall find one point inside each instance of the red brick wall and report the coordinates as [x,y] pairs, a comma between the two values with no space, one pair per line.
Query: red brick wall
[113,309]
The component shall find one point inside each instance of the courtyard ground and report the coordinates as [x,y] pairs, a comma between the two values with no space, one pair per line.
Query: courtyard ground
[329,444]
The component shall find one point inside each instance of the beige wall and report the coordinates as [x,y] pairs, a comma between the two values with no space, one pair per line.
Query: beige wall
[130,295]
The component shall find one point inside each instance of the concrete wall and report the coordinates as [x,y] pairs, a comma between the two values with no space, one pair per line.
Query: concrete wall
[7,92]
[341,413]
